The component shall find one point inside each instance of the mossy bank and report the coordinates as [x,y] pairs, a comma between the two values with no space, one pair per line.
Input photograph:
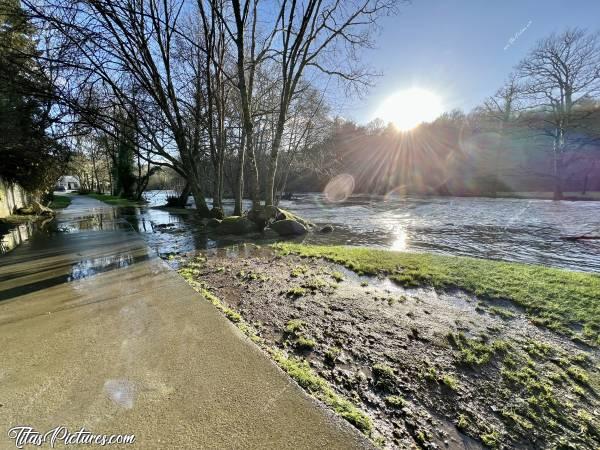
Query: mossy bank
[417,350]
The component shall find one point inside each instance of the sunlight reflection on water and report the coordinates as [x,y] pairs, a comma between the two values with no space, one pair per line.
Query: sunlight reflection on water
[507,229]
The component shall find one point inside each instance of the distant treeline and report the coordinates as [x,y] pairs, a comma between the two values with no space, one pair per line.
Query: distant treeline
[457,154]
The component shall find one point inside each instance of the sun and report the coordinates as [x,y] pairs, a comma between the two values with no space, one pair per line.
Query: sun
[409,108]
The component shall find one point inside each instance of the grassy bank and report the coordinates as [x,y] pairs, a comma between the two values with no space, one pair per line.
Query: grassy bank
[60,202]
[411,368]
[564,301]
[114,200]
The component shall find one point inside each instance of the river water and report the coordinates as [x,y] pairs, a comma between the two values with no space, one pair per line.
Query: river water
[505,229]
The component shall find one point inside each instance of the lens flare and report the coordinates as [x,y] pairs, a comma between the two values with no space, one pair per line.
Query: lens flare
[339,188]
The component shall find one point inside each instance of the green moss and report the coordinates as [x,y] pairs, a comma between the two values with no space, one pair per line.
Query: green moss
[337,276]
[462,423]
[294,326]
[395,401]
[382,371]
[332,354]
[578,374]
[450,381]
[538,349]
[474,352]
[430,374]
[296,291]
[315,284]
[502,312]
[305,343]
[298,271]
[557,299]
[520,421]
[491,439]
[301,372]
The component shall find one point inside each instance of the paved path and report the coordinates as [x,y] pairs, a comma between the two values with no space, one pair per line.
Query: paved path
[97,333]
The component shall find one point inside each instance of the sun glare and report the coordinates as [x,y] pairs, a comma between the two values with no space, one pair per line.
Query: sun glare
[409,108]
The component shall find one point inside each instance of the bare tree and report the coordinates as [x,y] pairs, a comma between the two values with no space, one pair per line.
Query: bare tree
[559,75]
[116,43]
[321,35]
[502,108]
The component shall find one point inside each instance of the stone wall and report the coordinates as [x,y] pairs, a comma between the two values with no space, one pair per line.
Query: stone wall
[12,197]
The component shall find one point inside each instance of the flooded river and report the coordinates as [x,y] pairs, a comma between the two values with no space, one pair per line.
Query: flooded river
[507,229]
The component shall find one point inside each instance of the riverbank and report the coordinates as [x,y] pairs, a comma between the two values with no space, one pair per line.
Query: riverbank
[430,349]
[567,196]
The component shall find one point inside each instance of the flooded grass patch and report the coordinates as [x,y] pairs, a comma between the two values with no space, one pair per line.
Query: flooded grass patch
[429,370]
[557,299]
[114,200]
[60,202]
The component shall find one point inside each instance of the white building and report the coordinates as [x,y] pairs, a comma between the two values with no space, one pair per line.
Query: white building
[67,183]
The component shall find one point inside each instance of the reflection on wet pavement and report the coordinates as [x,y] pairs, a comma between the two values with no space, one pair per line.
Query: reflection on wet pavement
[90,267]
[96,331]
[15,236]
[79,244]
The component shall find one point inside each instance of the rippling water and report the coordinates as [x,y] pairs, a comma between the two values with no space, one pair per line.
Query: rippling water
[507,229]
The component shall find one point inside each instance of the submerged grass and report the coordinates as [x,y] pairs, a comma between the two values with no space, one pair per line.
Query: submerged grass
[60,201]
[114,200]
[558,299]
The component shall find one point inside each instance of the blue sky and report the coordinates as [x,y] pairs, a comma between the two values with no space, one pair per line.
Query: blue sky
[456,48]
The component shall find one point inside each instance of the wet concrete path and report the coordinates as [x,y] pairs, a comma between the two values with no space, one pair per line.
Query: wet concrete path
[96,332]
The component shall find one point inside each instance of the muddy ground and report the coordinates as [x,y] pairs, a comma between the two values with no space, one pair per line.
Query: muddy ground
[432,369]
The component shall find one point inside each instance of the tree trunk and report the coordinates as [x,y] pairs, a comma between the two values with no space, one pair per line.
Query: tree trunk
[558,148]
[270,187]
[558,185]
[185,193]
[198,194]
[239,188]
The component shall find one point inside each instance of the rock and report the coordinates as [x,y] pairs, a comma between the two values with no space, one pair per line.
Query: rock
[236,225]
[288,227]
[283,214]
[213,223]
[263,215]
[326,229]
[163,226]
[270,234]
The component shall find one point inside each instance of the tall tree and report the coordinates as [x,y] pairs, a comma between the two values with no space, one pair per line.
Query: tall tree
[30,155]
[559,75]
[325,36]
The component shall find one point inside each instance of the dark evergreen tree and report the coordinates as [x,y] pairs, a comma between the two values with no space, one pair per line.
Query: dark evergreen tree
[28,155]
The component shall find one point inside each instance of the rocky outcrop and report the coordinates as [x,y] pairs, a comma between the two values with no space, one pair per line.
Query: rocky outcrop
[236,225]
[288,227]
[326,229]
